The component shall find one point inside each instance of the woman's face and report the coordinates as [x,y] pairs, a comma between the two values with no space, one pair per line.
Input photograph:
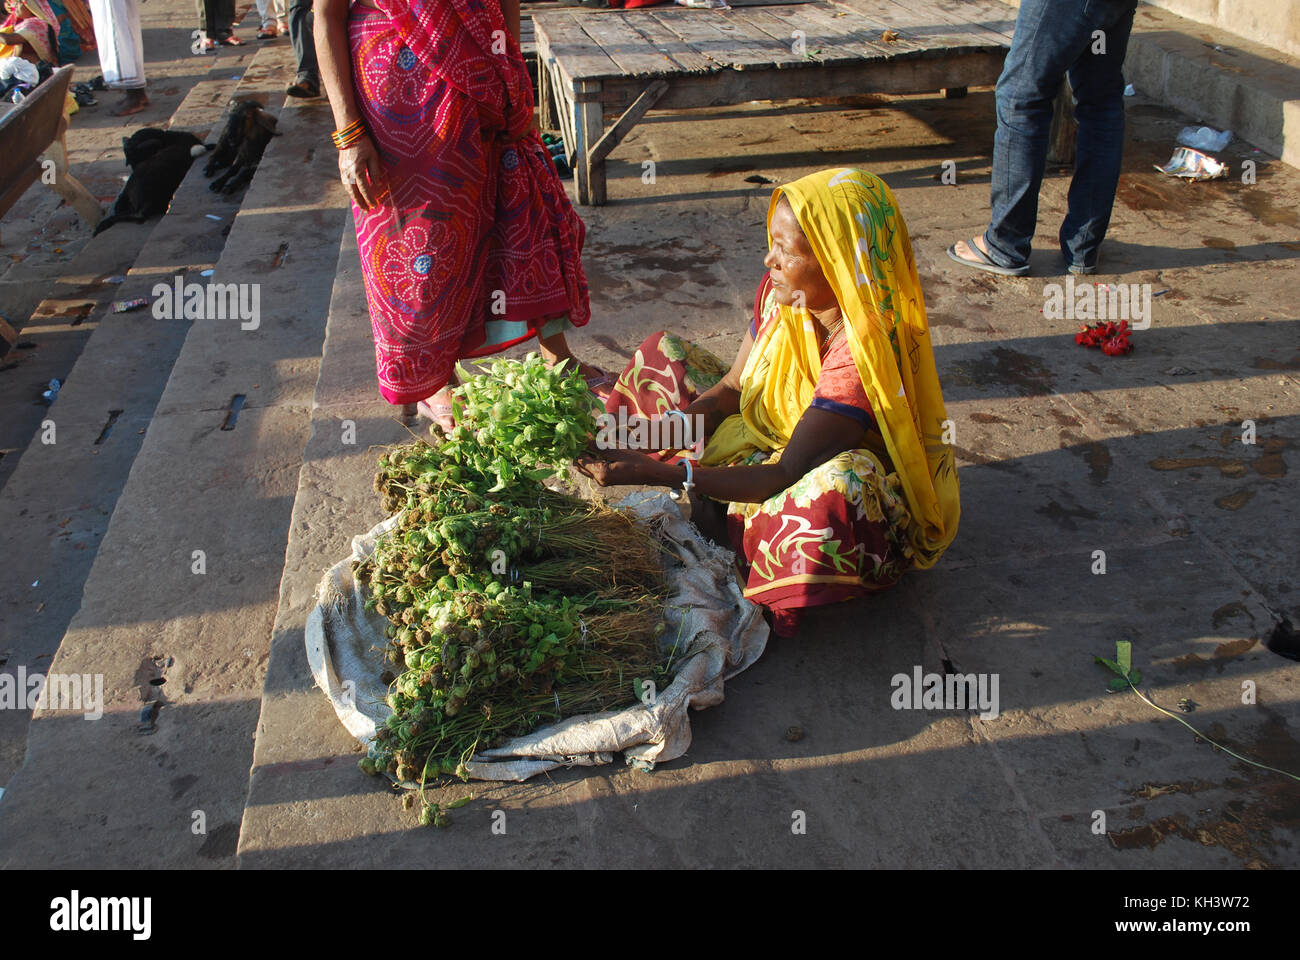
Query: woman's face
[797,278]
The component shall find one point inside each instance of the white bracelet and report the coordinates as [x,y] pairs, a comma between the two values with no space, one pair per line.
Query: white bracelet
[687,486]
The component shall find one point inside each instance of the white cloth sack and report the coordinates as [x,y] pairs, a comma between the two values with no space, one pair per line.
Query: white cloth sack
[719,633]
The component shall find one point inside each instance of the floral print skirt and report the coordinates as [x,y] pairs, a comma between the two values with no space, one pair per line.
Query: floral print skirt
[836,534]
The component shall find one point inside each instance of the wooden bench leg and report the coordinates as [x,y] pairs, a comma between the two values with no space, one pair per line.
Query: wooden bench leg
[548,118]
[589,119]
[69,187]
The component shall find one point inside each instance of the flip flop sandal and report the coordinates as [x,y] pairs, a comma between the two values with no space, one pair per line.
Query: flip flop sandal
[231,42]
[601,384]
[984,262]
[303,88]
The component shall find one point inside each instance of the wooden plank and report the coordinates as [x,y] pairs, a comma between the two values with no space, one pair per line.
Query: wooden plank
[560,35]
[740,24]
[635,55]
[731,87]
[838,36]
[945,11]
[590,120]
[702,31]
[615,134]
[929,30]
[992,15]
[667,42]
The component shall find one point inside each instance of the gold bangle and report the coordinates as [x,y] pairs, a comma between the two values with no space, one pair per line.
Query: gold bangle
[343,144]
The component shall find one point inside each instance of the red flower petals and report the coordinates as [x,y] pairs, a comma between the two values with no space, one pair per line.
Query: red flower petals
[1111,337]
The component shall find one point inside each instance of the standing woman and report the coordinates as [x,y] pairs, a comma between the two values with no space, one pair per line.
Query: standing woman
[468,242]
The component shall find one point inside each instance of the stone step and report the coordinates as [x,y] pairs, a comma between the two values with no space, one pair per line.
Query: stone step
[57,502]
[146,613]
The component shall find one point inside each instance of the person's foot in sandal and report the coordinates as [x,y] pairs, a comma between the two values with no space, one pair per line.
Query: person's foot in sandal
[974,254]
[268,32]
[305,87]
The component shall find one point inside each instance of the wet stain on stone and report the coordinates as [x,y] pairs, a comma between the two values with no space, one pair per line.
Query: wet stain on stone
[1224,301]
[1233,648]
[1027,373]
[1259,204]
[989,418]
[1098,459]
[1235,501]
[1270,463]
[1064,419]
[1268,363]
[944,320]
[181,784]
[1218,243]
[1229,468]
[970,456]
[1146,837]
[1144,192]
[1062,517]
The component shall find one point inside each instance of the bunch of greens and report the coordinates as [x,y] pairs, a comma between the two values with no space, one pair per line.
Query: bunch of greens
[523,420]
[509,604]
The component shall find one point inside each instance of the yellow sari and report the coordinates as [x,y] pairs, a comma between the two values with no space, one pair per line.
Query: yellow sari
[851,221]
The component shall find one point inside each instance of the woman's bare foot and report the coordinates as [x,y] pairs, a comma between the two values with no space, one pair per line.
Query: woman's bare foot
[133,102]
[555,349]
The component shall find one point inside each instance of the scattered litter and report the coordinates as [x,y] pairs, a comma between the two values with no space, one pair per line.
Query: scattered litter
[1179,372]
[1159,293]
[1129,91]
[40,606]
[889,36]
[1193,165]
[212,216]
[36,583]
[125,306]
[58,249]
[116,278]
[1204,138]
[794,734]
[205,273]
[758,178]
[1186,705]
[49,396]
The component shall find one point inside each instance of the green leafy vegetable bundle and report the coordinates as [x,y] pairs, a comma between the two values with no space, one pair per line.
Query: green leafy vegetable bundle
[510,604]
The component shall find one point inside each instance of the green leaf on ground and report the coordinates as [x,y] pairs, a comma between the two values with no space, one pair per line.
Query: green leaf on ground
[1124,654]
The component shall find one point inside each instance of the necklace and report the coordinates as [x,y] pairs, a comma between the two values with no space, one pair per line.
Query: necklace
[829,334]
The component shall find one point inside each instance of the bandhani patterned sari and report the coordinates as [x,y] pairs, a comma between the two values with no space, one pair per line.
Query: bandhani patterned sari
[478,247]
[853,525]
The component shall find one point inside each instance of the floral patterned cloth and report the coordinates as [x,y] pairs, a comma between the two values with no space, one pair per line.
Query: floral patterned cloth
[836,534]
[478,247]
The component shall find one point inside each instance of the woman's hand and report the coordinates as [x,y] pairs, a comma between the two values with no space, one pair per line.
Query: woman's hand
[362,173]
[622,468]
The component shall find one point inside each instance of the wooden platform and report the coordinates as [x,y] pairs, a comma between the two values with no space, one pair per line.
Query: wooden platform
[624,63]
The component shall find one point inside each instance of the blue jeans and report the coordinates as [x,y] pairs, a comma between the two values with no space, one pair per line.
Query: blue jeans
[304,47]
[1054,38]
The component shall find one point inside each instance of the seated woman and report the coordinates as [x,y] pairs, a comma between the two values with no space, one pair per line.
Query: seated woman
[824,437]
[30,31]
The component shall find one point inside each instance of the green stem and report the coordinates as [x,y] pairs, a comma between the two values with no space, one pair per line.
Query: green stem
[1253,763]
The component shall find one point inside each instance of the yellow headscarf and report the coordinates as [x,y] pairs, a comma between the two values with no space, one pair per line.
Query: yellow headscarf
[851,221]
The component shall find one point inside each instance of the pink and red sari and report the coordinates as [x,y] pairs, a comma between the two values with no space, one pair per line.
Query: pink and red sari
[478,247]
